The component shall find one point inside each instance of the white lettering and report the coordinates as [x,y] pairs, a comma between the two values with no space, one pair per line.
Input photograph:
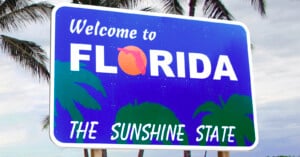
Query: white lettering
[115,135]
[180,64]
[92,131]
[161,62]
[76,56]
[147,134]
[213,133]
[164,64]
[193,58]
[83,128]
[102,31]
[224,61]
[198,130]
[79,26]
[100,64]
[144,132]
[89,30]
[230,134]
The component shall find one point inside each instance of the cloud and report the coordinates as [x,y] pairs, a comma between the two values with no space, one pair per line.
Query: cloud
[19,90]
[278,125]
[275,55]
[277,82]
[12,136]
[280,120]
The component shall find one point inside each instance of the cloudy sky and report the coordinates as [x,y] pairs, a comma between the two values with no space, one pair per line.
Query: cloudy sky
[276,62]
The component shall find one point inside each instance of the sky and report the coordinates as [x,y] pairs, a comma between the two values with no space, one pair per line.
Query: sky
[24,100]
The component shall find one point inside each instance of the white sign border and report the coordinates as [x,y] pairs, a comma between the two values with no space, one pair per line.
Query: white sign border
[149,146]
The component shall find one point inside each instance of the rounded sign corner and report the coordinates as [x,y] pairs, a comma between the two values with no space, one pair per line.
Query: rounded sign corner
[55,140]
[59,6]
[255,143]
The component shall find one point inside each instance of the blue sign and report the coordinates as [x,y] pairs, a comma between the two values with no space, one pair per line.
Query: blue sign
[127,79]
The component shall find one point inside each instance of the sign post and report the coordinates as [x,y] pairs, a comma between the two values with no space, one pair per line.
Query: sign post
[127,79]
[223,154]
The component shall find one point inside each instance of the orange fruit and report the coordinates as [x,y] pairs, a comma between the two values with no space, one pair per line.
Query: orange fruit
[132,60]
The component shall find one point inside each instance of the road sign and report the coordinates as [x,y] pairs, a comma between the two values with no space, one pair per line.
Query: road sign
[127,79]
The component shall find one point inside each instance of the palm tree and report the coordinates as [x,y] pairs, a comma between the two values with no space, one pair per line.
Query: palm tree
[14,15]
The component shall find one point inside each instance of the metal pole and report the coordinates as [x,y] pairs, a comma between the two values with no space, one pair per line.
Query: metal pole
[223,154]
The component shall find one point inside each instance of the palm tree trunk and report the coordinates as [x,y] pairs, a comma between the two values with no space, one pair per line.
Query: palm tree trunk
[192,6]
[141,153]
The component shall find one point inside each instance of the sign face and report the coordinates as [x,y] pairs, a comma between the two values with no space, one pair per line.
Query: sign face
[126,79]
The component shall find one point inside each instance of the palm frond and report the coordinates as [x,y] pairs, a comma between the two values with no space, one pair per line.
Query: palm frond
[128,3]
[131,4]
[7,6]
[89,2]
[215,9]
[28,54]
[149,9]
[110,3]
[173,7]
[46,122]
[22,16]
[136,5]
[260,5]
[12,5]
[104,3]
